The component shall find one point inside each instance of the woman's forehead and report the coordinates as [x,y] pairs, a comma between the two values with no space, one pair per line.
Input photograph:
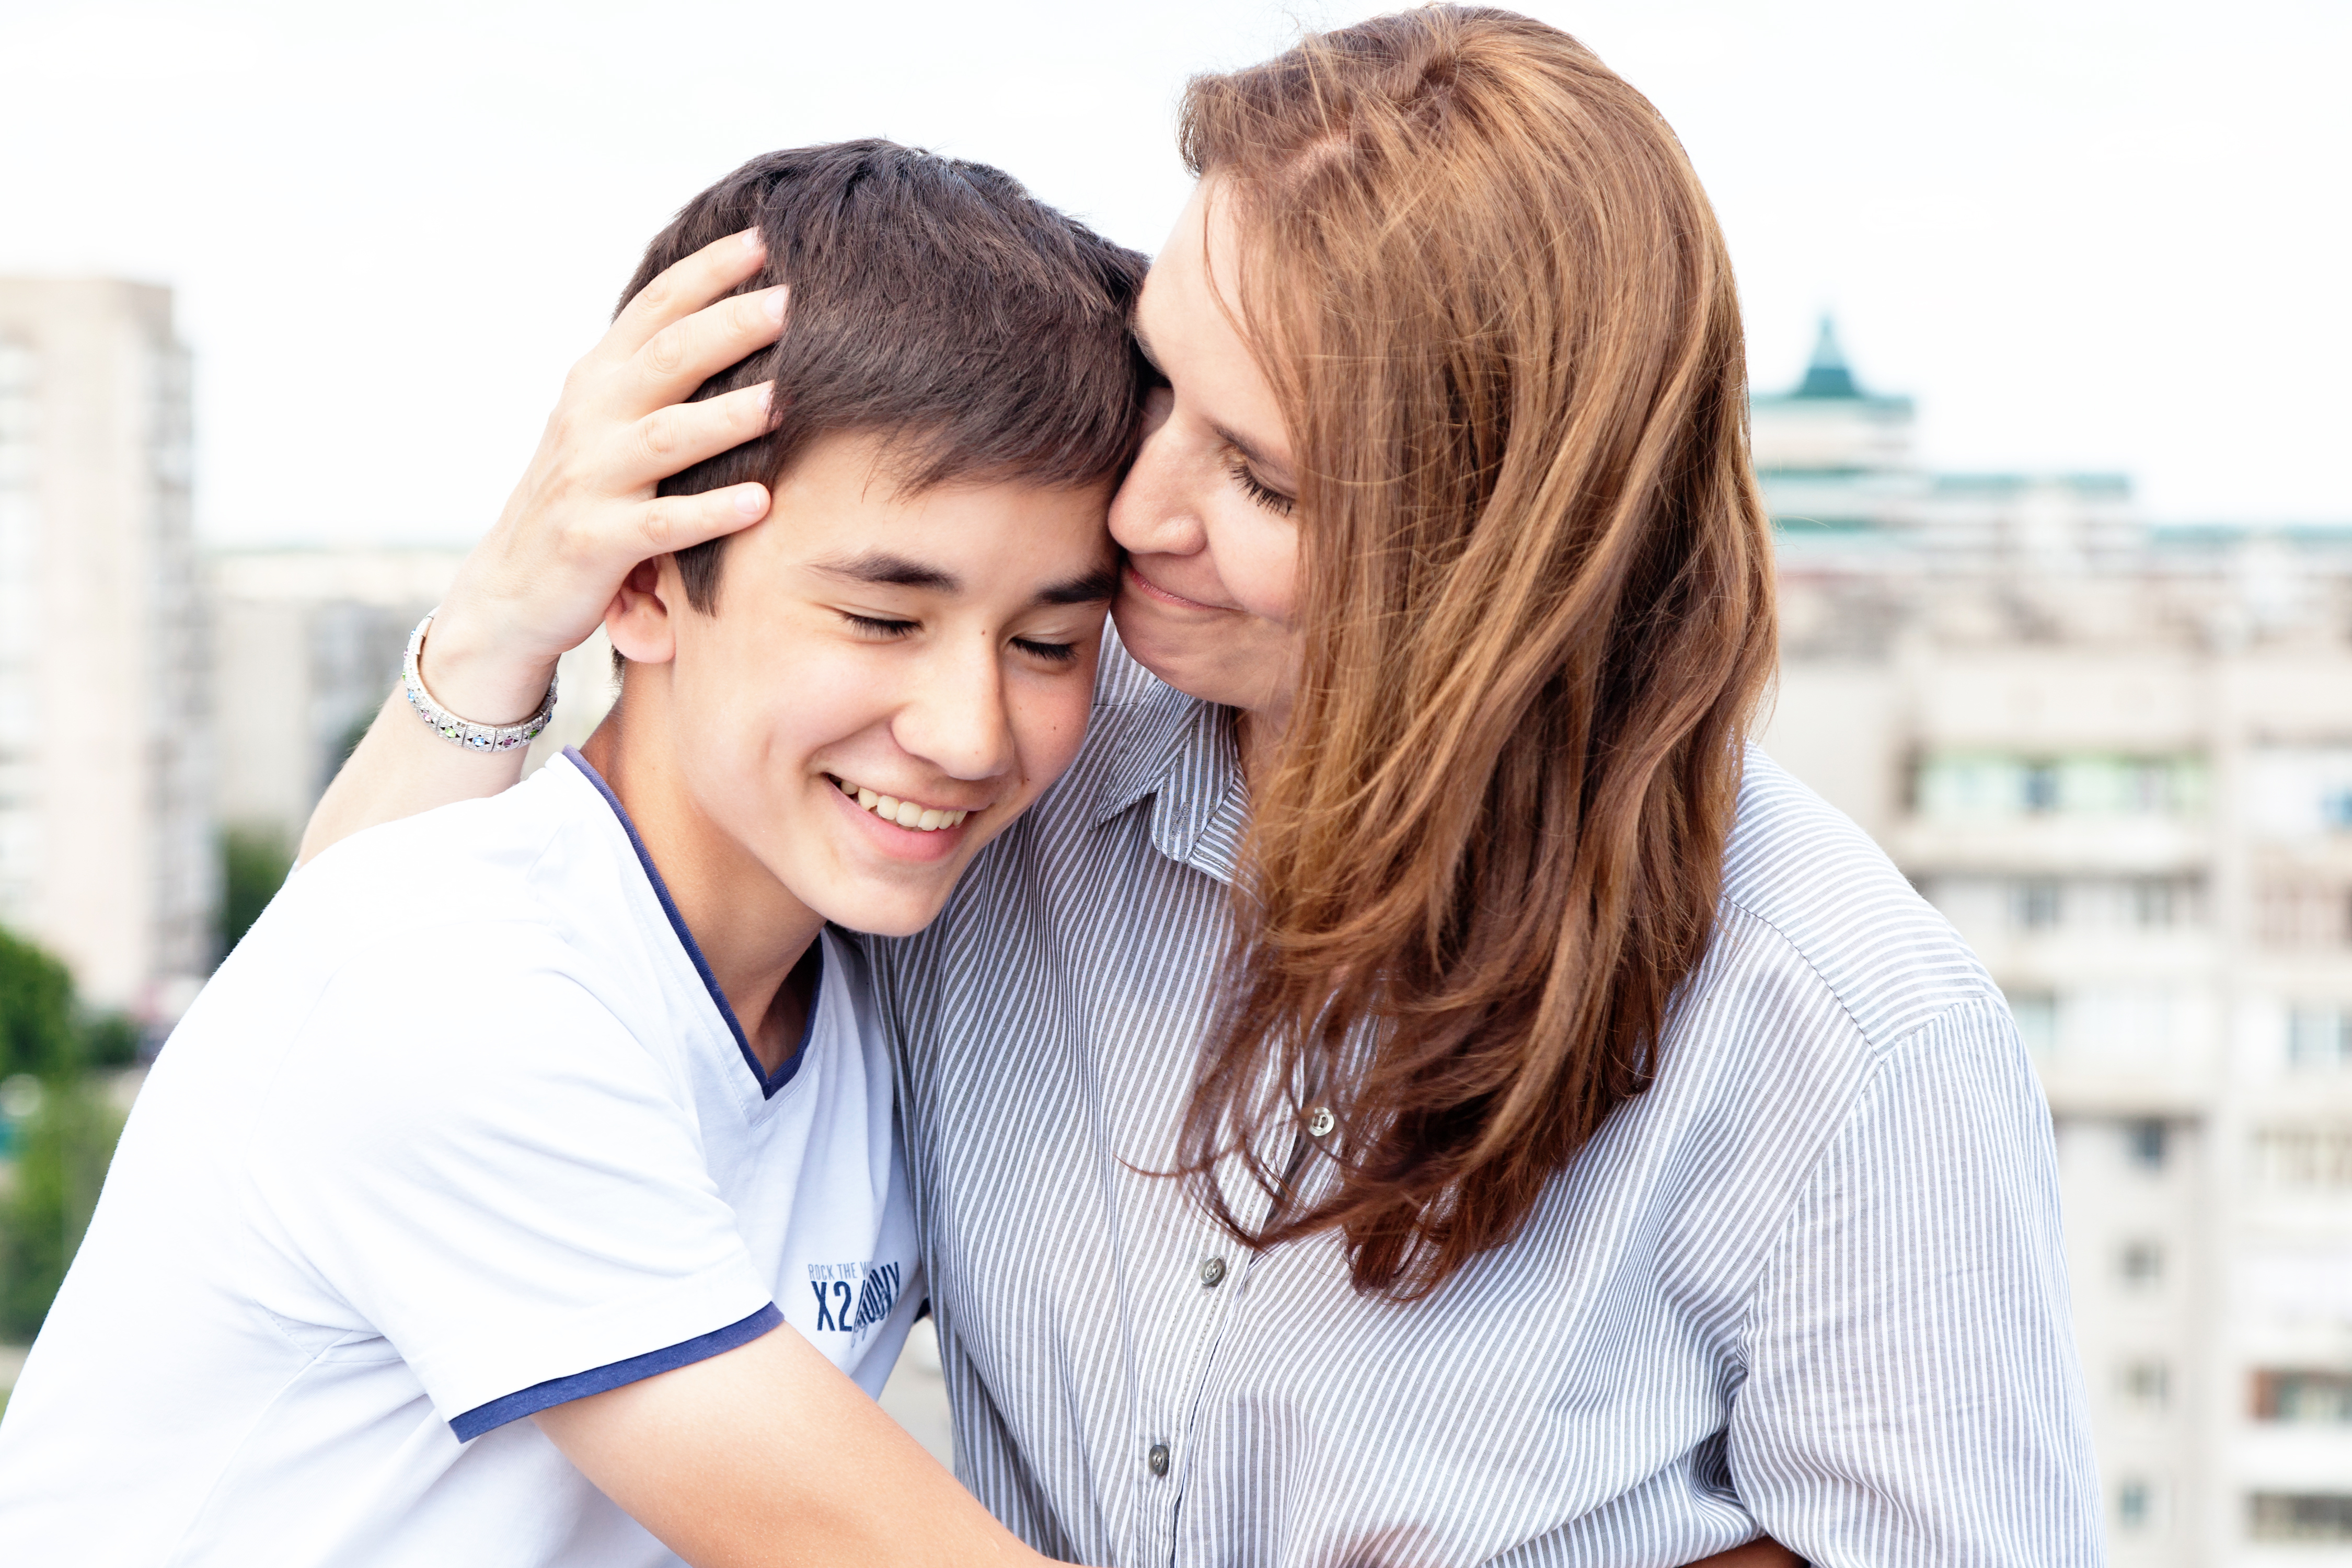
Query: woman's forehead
[1188,323]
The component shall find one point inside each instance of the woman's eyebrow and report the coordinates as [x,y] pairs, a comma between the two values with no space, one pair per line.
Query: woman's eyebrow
[1266,466]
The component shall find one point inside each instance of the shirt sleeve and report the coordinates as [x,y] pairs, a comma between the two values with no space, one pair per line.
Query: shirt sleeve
[1913,1392]
[470,1151]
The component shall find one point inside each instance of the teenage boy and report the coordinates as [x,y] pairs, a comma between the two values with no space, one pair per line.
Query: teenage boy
[459,1221]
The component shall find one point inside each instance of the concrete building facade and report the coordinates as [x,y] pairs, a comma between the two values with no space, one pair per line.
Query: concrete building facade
[2120,761]
[105,850]
[307,643]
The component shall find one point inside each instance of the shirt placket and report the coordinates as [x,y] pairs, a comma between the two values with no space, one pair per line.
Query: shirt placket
[1196,1304]
[1204,1304]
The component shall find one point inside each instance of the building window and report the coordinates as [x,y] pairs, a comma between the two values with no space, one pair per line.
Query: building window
[2033,904]
[2303,1398]
[2303,914]
[2039,787]
[2141,1265]
[1982,785]
[2313,1160]
[2158,902]
[2036,1013]
[2147,1385]
[2144,1143]
[2301,1516]
[2132,1504]
[2319,1038]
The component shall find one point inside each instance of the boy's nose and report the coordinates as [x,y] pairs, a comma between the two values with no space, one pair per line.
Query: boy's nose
[957,721]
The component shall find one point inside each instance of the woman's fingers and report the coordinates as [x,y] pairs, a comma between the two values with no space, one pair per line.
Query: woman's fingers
[674,438]
[674,522]
[685,353]
[681,289]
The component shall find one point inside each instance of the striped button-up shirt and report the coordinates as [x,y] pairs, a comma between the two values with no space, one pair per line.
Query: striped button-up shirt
[1810,1281]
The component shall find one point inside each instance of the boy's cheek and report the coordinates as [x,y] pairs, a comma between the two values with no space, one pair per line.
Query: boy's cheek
[1048,729]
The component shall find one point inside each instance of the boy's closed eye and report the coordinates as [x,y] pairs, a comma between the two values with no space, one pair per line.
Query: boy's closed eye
[891,629]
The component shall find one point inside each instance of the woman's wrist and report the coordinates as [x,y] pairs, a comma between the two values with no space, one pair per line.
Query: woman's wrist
[478,677]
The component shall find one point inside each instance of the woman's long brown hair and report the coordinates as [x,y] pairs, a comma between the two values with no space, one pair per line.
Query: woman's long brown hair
[1537,610]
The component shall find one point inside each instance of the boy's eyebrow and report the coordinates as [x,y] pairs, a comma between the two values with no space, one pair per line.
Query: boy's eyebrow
[888,570]
[1097,586]
[1143,345]
[885,570]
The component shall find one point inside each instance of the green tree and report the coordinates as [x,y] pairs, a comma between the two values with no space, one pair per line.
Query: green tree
[56,1130]
[37,1033]
[62,1151]
[254,863]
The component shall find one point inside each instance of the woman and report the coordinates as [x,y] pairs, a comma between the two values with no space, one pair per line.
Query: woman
[1419,1089]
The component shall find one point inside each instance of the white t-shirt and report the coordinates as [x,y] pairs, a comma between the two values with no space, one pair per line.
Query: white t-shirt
[462,1130]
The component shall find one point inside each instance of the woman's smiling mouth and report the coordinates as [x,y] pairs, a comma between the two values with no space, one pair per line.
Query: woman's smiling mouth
[1153,590]
[904,813]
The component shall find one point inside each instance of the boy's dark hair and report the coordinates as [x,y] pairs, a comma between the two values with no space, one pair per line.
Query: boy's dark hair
[935,304]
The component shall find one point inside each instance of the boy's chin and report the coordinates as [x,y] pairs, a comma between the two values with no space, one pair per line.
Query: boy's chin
[880,914]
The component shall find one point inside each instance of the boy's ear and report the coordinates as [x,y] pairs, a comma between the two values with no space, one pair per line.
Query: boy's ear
[641,619]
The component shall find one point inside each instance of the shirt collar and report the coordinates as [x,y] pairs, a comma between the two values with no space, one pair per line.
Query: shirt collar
[1178,751]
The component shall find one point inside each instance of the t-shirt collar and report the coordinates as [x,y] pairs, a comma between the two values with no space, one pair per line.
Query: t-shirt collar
[769,1082]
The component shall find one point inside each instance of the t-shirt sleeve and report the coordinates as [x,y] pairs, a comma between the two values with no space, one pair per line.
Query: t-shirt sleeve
[1913,1393]
[474,1154]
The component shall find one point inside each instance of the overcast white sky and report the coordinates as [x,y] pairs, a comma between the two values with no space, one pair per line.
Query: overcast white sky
[2085,233]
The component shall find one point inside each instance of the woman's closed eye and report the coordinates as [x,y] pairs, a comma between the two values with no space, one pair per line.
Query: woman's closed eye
[1257,489]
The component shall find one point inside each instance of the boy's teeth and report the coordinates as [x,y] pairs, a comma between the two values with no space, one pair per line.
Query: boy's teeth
[905,812]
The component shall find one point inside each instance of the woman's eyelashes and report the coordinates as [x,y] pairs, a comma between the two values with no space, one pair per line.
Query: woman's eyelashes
[1257,489]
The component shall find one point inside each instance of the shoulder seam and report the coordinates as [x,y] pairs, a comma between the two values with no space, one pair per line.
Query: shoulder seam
[1836,992]
[1880,1062]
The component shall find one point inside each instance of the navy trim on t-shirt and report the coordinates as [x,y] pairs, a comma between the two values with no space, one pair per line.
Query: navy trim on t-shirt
[769,1082]
[558,1391]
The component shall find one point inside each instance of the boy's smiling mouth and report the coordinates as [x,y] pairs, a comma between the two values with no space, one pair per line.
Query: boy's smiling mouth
[906,814]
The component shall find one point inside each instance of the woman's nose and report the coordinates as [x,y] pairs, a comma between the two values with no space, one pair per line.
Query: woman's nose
[1156,511]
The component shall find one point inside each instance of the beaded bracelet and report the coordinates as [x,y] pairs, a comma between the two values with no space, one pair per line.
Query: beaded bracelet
[464,731]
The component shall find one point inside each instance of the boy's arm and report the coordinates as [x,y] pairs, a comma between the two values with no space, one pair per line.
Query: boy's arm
[767,1455]
[585,513]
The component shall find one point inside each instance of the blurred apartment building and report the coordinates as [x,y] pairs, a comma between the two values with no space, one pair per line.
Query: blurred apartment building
[2119,759]
[307,643]
[152,697]
[105,849]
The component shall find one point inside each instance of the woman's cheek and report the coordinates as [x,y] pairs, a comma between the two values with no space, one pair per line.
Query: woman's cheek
[1257,559]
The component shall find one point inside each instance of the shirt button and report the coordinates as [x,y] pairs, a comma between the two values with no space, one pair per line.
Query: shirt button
[1212,1272]
[1321,1123]
[1158,1458]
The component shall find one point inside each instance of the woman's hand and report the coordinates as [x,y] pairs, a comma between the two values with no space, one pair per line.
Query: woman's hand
[586,512]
